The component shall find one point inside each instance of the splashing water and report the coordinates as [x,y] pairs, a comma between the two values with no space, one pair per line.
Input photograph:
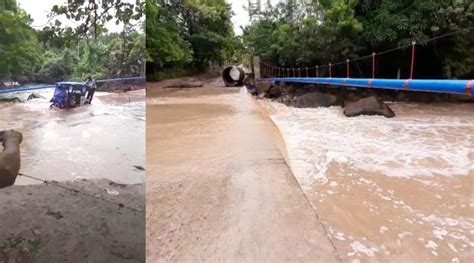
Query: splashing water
[102,140]
[422,140]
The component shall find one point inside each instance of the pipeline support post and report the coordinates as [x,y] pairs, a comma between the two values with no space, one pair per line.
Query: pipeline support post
[256,67]
[330,70]
[347,68]
[373,65]
[412,65]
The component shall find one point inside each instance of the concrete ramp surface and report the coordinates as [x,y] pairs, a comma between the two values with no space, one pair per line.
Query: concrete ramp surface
[218,188]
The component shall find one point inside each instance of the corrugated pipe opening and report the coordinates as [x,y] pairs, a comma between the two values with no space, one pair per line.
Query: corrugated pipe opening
[233,76]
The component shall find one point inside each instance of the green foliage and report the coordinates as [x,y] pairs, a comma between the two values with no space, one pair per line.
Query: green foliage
[18,43]
[55,53]
[188,36]
[92,15]
[318,32]
[165,46]
[110,55]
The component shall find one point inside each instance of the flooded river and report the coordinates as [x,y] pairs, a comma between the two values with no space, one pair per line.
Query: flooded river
[102,140]
[398,189]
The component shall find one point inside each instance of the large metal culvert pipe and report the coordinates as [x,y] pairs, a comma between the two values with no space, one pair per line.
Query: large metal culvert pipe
[233,76]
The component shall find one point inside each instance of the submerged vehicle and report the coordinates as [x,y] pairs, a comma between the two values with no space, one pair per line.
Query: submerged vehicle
[72,94]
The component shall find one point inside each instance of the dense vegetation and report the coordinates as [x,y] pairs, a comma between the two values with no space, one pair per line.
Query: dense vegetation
[298,33]
[185,36]
[59,52]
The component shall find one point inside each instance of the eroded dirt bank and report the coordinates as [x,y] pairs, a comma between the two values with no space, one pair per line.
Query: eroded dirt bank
[218,188]
[45,223]
[398,189]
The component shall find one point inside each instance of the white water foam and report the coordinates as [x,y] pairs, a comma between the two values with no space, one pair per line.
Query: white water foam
[421,144]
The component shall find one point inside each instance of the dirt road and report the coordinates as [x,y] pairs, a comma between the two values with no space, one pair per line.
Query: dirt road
[218,188]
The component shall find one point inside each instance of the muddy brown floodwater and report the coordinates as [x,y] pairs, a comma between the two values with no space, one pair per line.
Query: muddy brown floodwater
[218,188]
[398,189]
[102,140]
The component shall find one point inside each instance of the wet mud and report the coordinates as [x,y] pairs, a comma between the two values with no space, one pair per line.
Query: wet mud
[46,223]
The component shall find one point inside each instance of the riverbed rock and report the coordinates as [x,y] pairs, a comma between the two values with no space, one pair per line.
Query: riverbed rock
[263,86]
[314,100]
[368,106]
[11,100]
[273,92]
[185,84]
[34,95]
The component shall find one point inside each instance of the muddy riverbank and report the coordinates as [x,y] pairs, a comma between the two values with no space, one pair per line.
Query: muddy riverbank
[46,223]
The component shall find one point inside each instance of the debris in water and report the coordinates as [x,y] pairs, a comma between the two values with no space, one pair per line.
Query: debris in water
[112,192]
[138,167]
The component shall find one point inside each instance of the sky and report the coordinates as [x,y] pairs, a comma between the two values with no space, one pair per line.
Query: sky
[241,16]
[39,10]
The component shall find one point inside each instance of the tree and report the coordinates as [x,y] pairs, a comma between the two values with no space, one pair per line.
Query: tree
[188,36]
[18,43]
[92,15]
[165,46]
[324,31]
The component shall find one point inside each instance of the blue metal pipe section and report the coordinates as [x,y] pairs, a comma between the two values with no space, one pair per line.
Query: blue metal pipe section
[427,85]
[119,79]
[3,91]
[37,87]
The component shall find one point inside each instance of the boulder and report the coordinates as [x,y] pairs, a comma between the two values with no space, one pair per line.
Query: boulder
[368,106]
[263,86]
[185,84]
[252,89]
[34,96]
[314,100]
[273,92]
[12,100]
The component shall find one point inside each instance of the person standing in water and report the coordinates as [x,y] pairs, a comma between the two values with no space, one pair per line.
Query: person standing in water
[92,84]
[10,157]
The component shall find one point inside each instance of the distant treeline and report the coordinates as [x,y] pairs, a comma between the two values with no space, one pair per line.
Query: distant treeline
[300,33]
[188,36]
[56,53]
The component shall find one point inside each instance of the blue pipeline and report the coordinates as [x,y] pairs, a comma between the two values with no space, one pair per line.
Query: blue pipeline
[427,85]
[119,79]
[2,91]
[37,87]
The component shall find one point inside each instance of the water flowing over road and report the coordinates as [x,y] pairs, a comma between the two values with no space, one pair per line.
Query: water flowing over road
[102,140]
[218,188]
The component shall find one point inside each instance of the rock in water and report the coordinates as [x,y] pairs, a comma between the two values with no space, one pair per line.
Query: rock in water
[314,100]
[273,92]
[368,106]
[263,86]
[34,96]
[11,100]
